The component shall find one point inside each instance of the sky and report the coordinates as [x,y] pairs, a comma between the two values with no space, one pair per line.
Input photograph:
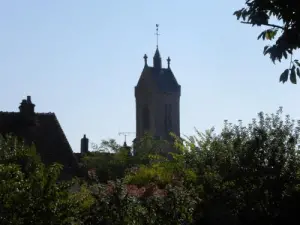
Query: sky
[82,59]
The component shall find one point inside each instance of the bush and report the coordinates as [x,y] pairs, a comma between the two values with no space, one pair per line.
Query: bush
[29,191]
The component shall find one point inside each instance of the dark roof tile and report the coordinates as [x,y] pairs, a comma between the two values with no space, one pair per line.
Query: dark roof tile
[163,78]
[44,130]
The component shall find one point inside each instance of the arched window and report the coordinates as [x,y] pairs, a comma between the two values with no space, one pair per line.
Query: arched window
[146,118]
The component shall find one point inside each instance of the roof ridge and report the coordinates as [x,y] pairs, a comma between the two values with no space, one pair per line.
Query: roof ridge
[47,113]
[9,112]
[38,113]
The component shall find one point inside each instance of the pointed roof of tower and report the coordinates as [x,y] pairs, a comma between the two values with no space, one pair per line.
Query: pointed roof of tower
[163,78]
[157,54]
[157,59]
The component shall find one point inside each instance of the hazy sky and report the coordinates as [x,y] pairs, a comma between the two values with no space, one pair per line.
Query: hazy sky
[82,59]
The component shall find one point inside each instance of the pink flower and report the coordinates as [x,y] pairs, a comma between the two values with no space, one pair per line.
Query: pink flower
[134,190]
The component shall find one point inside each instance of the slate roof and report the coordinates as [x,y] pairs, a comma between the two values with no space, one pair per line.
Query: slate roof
[163,78]
[44,130]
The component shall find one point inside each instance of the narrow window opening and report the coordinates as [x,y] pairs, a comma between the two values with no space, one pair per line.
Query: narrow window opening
[168,117]
[146,118]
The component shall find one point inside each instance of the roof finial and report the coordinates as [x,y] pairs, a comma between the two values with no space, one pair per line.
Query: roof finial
[145,58]
[157,34]
[169,60]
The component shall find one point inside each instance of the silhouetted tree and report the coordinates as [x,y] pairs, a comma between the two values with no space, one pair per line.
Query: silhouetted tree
[30,192]
[284,32]
[249,174]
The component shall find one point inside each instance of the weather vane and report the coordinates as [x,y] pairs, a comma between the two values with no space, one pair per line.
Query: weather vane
[157,34]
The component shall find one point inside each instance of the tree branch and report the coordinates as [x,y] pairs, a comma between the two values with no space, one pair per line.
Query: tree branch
[266,24]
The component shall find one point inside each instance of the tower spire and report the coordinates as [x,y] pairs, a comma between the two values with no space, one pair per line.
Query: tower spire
[157,34]
[156,58]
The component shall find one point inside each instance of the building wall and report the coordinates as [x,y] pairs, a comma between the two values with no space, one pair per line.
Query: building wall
[163,99]
[156,102]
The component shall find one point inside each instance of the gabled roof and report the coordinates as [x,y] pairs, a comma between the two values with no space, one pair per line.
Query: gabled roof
[44,130]
[163,78]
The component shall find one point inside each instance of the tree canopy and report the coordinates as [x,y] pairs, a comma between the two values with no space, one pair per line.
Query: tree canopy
[282,28]
[245,174]
[29,191]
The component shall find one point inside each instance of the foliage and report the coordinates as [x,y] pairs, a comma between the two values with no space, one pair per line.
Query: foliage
[162,171]
[286,34]
[29,192]
[242,175]
[114,162]
[249,174]
[138,199]
[108,166]
[110,146]
[148,145]
[120,204]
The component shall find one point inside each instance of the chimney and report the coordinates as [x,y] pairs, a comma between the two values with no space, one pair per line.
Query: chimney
[27,107]
[84,147]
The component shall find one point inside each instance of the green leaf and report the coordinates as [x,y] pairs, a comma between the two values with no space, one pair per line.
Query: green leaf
[284,54]
[270,34]
[293,78]
[297,62]
[284,76]
[237,14]
[265,49]
[298,72]
[262,35]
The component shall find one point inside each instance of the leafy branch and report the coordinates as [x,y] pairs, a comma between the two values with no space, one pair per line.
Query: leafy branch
[258,13]
[266,24]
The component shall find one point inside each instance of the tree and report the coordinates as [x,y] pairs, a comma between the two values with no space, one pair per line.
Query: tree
[29,191]
[248,174]
[108,166]
[148,194]
[119,204]
[285,34]
[111,161]
[109,145]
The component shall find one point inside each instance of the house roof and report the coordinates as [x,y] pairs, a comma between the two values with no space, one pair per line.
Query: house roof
[43,130]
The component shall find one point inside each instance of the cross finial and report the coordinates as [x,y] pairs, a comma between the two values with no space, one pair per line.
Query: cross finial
[145,58]
[169,60]
[157,34]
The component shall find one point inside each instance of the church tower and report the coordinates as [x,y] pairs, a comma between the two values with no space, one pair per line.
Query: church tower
[157,95]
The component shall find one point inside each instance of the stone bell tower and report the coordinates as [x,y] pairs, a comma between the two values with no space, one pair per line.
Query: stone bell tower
[157,95]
